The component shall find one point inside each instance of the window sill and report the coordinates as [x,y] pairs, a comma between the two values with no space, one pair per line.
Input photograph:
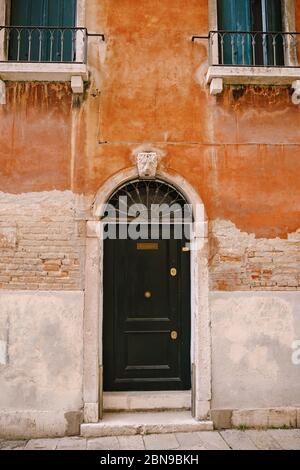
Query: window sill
[234,75]
[44,72]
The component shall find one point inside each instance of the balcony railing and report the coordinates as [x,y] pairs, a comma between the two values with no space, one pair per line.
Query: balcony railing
[255,49]
[43,44]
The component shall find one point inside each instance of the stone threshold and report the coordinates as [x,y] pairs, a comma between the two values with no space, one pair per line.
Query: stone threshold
[146,401]
[129,424]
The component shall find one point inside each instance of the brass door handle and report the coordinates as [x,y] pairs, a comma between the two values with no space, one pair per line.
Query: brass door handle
[173,272]
[174,335]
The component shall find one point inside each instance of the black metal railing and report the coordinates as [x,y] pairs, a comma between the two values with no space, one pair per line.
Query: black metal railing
[43,44]
[256,49]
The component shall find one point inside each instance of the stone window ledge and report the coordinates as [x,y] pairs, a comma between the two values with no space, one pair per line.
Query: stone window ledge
[219,75]
[45,72]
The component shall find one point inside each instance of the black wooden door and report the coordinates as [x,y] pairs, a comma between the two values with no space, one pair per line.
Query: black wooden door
[146,315]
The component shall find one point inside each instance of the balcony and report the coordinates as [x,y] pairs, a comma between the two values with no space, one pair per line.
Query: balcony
[42,53]
[258,58]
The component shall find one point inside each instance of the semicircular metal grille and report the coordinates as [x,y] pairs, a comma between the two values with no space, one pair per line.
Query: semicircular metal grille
[148,200]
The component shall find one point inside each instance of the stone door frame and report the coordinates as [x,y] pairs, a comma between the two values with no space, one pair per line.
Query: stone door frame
[93,310]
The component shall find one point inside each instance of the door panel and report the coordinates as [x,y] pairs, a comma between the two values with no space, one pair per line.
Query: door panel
[143,304]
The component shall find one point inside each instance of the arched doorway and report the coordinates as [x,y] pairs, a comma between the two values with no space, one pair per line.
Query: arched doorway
[146,288]
[93,312]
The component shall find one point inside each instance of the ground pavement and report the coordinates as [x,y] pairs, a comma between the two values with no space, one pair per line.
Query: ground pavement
[275,439]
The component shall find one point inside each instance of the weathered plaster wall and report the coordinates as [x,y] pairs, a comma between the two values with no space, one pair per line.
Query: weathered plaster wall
[252,348]
[240,150]
[35,138]
[41,362]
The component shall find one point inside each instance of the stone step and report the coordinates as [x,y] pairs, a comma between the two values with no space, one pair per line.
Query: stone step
[126,424]
[147,401]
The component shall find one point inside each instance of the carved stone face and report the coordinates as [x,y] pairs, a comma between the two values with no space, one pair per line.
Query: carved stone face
[147,164]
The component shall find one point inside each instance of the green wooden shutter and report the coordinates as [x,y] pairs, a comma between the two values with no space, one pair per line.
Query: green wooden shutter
[274,24]
[25,13]
[235,15]
[57,13]
[62,13]
[274,16]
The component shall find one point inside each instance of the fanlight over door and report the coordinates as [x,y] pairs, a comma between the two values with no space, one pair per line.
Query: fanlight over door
[148,200]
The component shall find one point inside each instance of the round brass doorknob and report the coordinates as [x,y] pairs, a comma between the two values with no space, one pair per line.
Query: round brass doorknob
[174,335]
[148,295]
[173,272]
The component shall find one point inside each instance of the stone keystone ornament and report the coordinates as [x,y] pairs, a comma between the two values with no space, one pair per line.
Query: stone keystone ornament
[147,164]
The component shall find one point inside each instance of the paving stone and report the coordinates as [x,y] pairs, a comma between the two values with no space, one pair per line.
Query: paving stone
[191,448]
[263,440]
[189,440]
[103,443]
[213,441]
[72,443]
[131,443]
[41,444]
[205,440]
[238,440]
[288,439]
[13,445]
[161,442]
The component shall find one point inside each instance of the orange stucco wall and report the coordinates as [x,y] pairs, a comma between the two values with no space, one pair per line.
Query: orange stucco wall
[241,151]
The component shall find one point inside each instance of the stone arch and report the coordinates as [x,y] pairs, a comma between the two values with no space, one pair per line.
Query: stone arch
[201,337]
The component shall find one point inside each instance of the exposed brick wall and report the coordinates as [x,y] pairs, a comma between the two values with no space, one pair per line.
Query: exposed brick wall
[42,248]
[239,261]
[41,243]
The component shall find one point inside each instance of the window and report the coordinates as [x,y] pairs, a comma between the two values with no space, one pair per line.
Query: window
[42,31]
[51,32]
[250,32]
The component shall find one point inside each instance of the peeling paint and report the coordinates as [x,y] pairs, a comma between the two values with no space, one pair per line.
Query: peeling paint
[242,261]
